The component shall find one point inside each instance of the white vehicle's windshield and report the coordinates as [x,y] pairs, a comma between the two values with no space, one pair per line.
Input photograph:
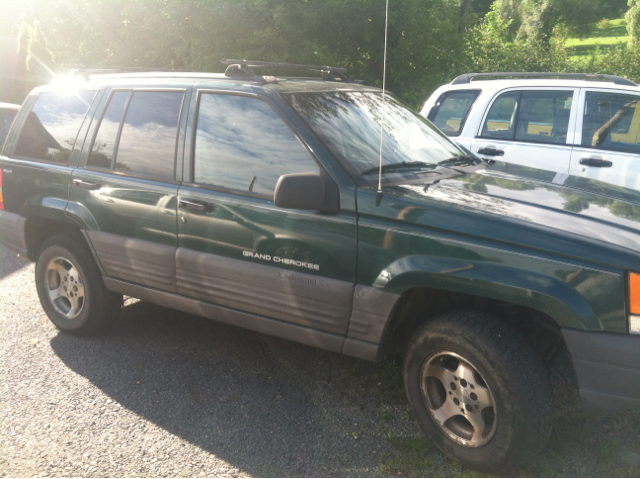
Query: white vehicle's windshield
[348,123]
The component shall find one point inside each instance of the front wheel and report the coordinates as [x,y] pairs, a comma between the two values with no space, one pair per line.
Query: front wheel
[70,287]
[479,390]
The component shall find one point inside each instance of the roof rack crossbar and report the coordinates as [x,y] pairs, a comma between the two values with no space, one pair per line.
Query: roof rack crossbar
[467,77]
[248,65]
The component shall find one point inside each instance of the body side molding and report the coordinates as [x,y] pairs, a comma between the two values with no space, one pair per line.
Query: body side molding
[261,324]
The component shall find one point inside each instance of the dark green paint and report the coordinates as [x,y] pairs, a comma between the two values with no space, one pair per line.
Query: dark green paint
[503,232]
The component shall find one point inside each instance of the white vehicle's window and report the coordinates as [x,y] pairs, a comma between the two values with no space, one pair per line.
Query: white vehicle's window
[50,130]
[544,116]
[349,124]
[612,122]
[501,120]
[242,144]
[531,116]
[452,109]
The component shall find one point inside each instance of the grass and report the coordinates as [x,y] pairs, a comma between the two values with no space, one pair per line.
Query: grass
[580,445]
[605,34]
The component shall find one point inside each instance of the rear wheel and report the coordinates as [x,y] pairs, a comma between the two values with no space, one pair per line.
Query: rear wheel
[70,287]
[479,390]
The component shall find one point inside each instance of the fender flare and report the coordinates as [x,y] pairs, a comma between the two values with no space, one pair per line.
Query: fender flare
[547,294]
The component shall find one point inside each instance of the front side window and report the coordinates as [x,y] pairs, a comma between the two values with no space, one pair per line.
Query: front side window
[530,116]
[242,144]
[52,126]
[611,121]
[452,109]
[348,122]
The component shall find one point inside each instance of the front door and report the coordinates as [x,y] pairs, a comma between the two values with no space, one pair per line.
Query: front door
[236,248]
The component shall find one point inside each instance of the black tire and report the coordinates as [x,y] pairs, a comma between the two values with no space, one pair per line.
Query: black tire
[508,398]
[70,287]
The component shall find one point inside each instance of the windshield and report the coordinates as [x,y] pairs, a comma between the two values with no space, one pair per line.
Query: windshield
[348,123]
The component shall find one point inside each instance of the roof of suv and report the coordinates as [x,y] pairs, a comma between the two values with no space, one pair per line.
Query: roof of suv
[496,85]
[280,84]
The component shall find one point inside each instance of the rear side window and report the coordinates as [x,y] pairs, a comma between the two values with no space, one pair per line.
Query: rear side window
[450,112]
[138,134]
[611,121]
[531,116]
[51,128]
[242,144]
[150,134]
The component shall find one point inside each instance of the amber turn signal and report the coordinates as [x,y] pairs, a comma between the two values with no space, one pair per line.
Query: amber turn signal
[634,293]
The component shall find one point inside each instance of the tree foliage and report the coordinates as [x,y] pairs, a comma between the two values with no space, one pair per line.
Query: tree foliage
[430,41]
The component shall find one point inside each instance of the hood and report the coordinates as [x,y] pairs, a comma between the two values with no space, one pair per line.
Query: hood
[513,198]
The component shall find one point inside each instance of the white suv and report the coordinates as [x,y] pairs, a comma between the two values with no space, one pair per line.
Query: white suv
[569,124]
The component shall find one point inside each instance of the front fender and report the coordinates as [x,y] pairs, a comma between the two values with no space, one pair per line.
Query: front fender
[568,294]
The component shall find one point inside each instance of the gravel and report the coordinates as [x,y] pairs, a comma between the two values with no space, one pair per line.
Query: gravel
[167,394]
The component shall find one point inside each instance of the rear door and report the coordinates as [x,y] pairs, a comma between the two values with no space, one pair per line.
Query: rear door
[532,127]
[126,191]
[609,138]
[236,247]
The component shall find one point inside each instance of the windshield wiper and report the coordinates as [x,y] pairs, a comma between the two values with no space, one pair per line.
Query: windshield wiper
[462,160]
[405,165]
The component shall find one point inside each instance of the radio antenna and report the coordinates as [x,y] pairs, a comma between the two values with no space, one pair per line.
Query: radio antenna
[384,103]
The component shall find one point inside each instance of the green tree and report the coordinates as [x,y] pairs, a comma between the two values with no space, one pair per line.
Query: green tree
[633,22]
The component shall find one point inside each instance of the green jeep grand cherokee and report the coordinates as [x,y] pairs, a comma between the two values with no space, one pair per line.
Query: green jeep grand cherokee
[253,200]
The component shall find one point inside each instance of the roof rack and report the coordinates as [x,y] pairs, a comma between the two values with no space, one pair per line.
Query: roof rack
[467,77]
[85,70]
[245,68]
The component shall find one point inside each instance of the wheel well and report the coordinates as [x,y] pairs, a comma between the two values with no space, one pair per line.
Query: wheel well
[419,305]
[38,229]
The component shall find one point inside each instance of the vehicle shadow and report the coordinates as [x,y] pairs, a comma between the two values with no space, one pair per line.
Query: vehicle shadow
[10,262]
[265,405]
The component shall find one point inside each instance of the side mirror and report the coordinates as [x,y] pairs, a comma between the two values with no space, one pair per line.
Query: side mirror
[307,191]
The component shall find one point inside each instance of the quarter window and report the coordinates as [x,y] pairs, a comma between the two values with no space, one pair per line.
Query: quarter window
[51,128]
[501,120]
[611,121]
[242,144]
[452,109]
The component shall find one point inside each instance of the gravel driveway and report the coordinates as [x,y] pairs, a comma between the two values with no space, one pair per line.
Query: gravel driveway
[169,394]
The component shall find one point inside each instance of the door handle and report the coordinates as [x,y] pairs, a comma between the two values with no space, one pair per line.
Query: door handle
[86,185]
[490,152]
[195,206]
[596,162]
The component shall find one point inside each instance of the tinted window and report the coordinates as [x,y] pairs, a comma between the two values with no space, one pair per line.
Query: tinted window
[105,142]
[544,116]
[452,109]
[501,120]
[6,120]
[243,144]
[150,133]
[50,130]
[611,121]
